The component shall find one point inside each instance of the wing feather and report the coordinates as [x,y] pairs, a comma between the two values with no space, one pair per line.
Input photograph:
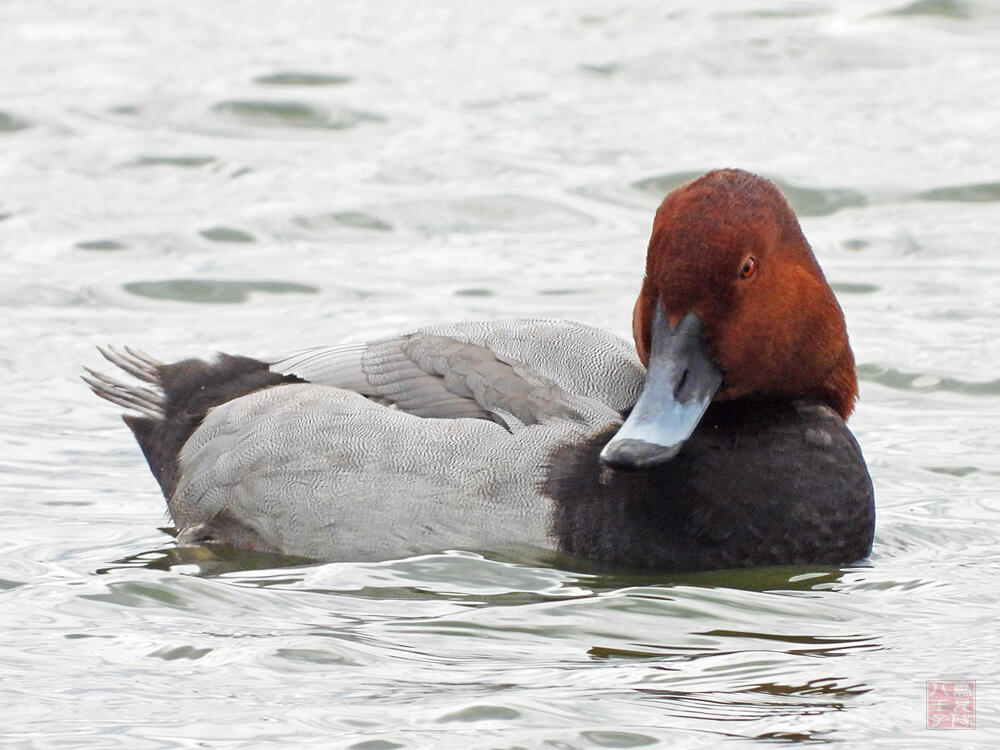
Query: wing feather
[516,373]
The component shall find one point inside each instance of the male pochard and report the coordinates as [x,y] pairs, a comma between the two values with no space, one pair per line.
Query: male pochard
[718,441]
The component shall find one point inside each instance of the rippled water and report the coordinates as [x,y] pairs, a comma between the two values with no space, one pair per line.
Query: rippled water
[257,177]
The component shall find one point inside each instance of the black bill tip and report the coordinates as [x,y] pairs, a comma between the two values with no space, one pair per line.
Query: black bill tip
[636,455]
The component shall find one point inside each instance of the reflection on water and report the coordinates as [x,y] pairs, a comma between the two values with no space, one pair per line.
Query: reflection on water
[243,178]
[203,560]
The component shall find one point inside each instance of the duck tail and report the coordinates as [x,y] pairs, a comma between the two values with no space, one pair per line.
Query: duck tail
[176,400]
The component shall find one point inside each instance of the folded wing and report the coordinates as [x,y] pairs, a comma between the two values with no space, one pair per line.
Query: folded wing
[516,373]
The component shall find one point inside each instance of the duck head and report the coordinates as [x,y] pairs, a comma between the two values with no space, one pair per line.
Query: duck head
[733,306]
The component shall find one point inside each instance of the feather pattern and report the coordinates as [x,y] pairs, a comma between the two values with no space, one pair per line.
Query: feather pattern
[517,373]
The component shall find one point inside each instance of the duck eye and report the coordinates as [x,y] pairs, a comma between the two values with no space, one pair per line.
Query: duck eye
[749,267]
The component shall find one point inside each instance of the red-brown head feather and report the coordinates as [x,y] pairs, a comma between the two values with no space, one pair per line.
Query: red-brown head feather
[776,331]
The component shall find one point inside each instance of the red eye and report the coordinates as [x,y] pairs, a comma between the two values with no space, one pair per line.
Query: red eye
[749,267]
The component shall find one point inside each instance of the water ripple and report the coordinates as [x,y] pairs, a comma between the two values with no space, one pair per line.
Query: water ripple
[184,161]
[302,79]
[11,123]
[647,192]
[101,245]
[806,201]
[900,379]
[292,114]
[483,213]
[226,234]
[976,193]
[217,291]
[944,8]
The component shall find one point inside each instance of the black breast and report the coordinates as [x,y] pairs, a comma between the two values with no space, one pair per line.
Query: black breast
[757,484]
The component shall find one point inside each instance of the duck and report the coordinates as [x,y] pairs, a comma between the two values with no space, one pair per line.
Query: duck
[716,439]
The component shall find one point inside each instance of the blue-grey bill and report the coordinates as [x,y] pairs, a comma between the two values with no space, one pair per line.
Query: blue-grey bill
[680,382]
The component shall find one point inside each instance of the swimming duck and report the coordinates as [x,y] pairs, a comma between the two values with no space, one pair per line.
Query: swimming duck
[717,441]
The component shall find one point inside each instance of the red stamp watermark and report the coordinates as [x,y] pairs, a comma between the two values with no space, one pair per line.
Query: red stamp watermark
[951,704]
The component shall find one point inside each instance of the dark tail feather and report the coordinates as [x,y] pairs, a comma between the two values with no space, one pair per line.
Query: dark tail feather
[181,396]
[159,453]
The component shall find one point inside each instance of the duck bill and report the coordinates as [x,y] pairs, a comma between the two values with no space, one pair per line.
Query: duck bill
[680,382]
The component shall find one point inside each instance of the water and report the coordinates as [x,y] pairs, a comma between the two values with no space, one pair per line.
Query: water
[257,177]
